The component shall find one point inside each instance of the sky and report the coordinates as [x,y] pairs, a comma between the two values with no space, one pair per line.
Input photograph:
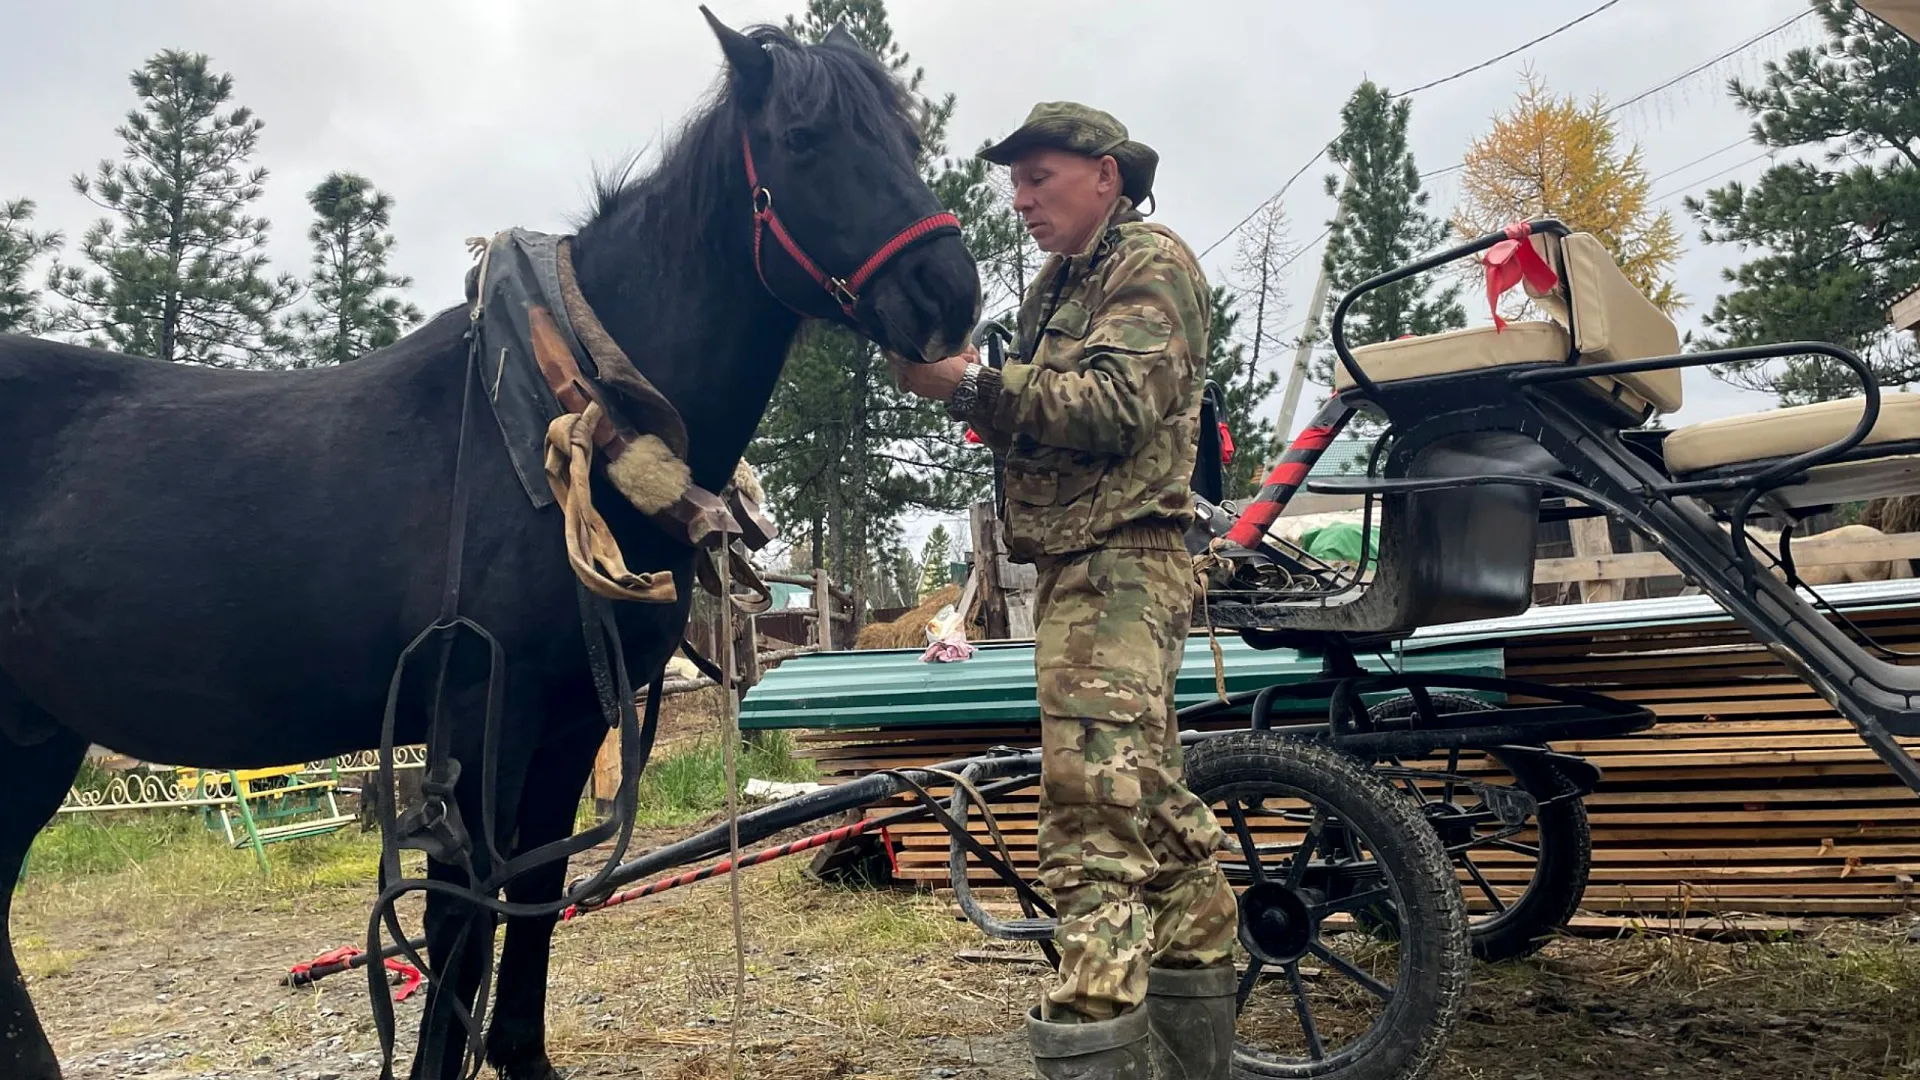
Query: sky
[479,115]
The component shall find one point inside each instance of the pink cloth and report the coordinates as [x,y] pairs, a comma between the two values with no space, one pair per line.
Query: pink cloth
[946,651]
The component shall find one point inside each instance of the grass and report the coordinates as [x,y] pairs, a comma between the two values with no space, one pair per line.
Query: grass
[689,784]
[171,853]
[154,867]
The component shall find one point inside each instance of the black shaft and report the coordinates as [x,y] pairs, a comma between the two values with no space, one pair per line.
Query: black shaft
[755,826]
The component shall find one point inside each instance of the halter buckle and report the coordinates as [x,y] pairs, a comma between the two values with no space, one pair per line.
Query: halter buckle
[838,287]
[762,200]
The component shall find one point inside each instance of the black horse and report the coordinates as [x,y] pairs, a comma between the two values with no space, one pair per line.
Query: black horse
[221,567]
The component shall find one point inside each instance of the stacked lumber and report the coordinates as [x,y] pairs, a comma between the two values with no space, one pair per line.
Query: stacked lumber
[1749,795]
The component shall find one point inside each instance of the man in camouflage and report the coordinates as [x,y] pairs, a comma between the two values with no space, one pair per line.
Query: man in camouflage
[1097,419]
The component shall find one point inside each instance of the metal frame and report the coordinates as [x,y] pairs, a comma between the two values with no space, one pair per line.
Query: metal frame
[1471,456]
[1556,441]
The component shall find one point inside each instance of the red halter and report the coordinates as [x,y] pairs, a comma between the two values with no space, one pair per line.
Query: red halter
[845,291]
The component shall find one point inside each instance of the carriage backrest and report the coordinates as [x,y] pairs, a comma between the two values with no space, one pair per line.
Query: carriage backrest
[1612,320]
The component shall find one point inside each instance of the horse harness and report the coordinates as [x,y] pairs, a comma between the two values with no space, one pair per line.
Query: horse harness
[844,291]
[545,364]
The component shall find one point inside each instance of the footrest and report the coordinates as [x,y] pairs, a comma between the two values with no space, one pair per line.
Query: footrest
[1482,730]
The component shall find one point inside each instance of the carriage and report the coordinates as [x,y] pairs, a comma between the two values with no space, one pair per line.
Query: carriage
[1355,834]
[1355,827]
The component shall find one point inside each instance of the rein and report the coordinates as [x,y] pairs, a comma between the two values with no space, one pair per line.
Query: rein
[648,467]
[844,291]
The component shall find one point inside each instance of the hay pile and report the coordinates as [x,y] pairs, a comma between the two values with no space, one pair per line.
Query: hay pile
[909,631]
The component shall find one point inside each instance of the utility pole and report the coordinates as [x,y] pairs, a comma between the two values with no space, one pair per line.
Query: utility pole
[1303,353]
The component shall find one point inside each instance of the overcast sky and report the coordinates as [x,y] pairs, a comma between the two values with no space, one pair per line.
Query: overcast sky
[478,115]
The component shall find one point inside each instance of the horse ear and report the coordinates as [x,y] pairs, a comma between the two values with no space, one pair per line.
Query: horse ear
[840,36]
[752,67]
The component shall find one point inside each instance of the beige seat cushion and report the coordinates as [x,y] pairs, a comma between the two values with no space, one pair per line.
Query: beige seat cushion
[1456,351]
[1780,433]
[1612,321]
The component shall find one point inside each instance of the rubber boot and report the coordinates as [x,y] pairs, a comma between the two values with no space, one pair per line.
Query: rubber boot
[1100,1050]
[1190,1014]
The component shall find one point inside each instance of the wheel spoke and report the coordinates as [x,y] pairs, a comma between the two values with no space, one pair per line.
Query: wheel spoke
[1239,815]
[1315,1048]
[1246,983]
[1406,780]
[1480,879]
[1453,767]
[1379,989]
[1515,845]
[1297,870]
[1354,902]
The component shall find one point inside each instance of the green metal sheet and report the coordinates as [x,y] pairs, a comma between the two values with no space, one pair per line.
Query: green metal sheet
[894,688]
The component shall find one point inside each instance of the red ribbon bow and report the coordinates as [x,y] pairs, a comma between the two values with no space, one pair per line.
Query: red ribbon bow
[973,436]
[1226,443]
[1512,261]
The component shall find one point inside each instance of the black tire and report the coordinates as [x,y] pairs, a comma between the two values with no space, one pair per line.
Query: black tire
[1244,769]
[1565,842]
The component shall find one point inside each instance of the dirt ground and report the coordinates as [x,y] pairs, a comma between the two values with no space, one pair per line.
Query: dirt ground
[146,975]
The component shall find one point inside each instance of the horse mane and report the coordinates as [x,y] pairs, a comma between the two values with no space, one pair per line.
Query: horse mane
[701,168]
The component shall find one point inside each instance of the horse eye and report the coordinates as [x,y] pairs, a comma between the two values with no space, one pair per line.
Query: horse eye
[801,140]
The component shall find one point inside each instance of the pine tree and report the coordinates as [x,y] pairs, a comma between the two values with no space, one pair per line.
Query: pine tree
[20,246]
[843,451]
[1553,157]
[1243,390]
[1382,222]
[353,312]
[935,556]
[1835,243]
[180,269]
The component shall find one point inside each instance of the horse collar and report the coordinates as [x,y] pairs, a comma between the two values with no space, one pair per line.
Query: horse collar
[844,291]
[545,356]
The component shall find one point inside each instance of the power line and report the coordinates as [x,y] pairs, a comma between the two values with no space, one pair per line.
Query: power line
[1269,201]
[1737,165]
[1304,248]
[1742,141]
[1510,52]
[1275,197]
[1641,96]
[1698,68]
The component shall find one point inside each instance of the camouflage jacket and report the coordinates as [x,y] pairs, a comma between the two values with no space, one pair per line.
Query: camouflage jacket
[1098,413]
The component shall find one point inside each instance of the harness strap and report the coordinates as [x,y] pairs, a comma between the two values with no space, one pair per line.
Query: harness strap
[657,415]
[845,291]
[591,549]
[436,828]
[648,471]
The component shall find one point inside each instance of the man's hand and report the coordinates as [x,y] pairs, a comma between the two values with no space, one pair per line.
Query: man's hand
[936,381]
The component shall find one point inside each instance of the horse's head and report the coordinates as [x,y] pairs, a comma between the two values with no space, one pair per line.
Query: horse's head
[847,230]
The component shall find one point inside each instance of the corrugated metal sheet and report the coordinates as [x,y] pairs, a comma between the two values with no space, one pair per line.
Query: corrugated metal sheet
[1647,613]
[894,688]
[1345,458]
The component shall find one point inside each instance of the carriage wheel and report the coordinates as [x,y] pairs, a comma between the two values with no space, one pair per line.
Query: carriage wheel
[1314,835]
[1520,888]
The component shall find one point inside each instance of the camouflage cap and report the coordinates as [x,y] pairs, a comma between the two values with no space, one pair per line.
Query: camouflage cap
[1081,129]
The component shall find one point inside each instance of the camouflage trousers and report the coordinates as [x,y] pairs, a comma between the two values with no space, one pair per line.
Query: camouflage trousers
[1125,848]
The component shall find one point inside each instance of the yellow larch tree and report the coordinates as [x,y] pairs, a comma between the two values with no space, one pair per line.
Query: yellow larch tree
[1551,156]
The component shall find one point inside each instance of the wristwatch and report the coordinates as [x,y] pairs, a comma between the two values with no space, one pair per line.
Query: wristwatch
[966,395]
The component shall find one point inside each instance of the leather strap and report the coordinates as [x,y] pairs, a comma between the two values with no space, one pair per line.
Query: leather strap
[844,291]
